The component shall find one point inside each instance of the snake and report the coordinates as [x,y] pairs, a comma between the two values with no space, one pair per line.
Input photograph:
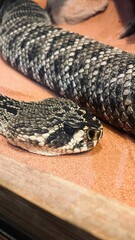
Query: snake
[96,80]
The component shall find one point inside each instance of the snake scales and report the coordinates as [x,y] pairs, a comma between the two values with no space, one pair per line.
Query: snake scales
[96,76]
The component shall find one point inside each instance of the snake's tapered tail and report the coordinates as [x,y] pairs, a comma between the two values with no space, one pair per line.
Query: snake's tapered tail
[97,76]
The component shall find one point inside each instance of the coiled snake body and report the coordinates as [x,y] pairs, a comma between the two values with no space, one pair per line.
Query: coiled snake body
[96,76]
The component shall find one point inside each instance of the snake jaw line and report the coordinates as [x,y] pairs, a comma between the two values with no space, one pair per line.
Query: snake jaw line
[44,149]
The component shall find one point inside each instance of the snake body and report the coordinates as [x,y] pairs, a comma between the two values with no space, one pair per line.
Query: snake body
[96,76]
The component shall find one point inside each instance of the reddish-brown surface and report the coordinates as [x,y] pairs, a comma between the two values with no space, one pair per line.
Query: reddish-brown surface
[110,167]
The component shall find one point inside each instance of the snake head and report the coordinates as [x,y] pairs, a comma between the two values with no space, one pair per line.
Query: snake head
[53,127]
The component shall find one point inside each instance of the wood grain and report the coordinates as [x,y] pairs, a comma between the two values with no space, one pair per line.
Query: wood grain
[46,207]
[3,238]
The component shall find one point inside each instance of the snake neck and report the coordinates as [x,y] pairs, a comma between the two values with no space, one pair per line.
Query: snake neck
[9,105]
[8,109]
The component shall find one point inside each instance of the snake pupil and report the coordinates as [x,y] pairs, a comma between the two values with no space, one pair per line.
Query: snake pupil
[91,134]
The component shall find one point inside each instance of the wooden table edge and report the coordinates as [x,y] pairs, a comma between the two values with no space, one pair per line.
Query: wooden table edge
[46,207]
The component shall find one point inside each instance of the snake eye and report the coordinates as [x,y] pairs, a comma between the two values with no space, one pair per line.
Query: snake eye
[91,134]
[69,129]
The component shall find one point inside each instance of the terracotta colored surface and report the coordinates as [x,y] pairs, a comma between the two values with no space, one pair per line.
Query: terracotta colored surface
[42,3]
[110,167]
